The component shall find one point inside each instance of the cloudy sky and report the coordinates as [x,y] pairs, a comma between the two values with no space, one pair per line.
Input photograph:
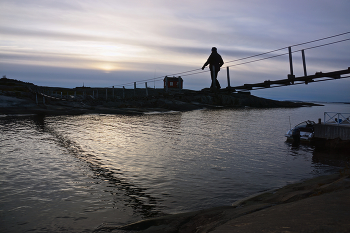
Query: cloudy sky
[114,43]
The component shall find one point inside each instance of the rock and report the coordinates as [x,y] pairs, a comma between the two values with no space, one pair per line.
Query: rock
[316,205]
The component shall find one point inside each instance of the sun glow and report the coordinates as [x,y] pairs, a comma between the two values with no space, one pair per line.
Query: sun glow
[107,67]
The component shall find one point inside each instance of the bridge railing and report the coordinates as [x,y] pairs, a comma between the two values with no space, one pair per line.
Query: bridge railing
[336,118]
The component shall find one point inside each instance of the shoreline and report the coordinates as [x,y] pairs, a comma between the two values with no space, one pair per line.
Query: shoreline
[17,97]
[319,204]
[12,105]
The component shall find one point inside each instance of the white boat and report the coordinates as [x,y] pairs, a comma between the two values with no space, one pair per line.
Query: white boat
[304,130]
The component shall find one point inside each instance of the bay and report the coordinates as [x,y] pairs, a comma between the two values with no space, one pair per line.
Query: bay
[73,173]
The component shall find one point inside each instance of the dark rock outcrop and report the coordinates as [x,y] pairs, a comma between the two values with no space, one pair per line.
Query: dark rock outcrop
[55,101]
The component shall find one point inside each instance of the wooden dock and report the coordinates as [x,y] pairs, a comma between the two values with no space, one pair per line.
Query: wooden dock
[332,131]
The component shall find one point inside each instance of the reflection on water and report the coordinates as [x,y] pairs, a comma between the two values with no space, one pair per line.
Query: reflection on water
[76,172]
[138,199]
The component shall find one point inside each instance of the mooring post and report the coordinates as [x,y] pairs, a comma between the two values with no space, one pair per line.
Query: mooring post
[146,89]
[123,92]
[213,78]
[228,77]
[113,93]
[304,63]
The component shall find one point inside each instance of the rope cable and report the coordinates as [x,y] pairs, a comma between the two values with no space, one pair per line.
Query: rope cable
[287,47]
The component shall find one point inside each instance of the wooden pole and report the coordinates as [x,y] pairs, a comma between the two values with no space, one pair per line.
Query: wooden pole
[228,77]
[291,75]
[146,89]
[166,83]
[304,63]
[290,60]
[134,89]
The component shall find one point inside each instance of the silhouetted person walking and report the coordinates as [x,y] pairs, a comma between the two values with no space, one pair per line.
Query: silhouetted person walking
[214,60]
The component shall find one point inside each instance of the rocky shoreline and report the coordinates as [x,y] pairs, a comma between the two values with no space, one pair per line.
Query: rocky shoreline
[320,204]
[17,97]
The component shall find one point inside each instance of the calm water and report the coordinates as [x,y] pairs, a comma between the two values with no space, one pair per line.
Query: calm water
[73,173]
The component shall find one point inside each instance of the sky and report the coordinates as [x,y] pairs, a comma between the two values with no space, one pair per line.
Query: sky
[115,43]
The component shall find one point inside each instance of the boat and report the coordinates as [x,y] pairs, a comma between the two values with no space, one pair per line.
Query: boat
[304,129]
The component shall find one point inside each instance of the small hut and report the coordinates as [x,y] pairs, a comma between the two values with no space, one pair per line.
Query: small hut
[173,82]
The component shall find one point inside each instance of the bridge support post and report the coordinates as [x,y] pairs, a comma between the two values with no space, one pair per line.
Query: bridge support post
[291,75]
[304,63]
[290,60]
[228,77]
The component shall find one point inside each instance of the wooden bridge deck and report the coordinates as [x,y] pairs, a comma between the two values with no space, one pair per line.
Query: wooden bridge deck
[291,80]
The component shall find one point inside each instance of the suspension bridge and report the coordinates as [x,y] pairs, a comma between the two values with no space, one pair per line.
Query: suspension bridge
[291,78]
[119,91]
